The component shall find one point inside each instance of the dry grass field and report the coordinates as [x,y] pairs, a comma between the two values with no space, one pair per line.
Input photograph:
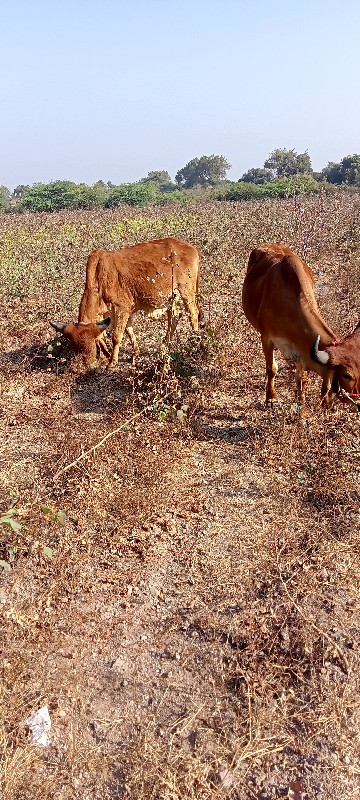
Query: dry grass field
[183,595]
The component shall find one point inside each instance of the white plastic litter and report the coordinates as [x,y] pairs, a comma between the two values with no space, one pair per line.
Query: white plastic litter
[40,723]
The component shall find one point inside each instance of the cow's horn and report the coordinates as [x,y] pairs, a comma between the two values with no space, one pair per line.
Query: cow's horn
[321,356]
[59,326]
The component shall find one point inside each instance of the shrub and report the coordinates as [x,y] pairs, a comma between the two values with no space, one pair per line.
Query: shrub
[133,194]
[51,196]
[302,183]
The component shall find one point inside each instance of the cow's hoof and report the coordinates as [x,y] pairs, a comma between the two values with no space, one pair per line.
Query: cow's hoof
[271,404]
[112,364]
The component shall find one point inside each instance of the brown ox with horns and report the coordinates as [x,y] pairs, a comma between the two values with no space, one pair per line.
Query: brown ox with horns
[150,276]
[278,300]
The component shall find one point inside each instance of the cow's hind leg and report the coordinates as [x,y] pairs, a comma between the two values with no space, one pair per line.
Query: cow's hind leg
[129,330]
[173,316]
[192,311]
[271,371]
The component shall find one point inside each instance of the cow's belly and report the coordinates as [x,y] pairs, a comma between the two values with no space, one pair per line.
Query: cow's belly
[157,306]
[156,313]
[287,348]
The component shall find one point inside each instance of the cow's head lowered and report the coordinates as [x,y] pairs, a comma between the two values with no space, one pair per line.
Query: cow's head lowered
[84,337]
[342,357]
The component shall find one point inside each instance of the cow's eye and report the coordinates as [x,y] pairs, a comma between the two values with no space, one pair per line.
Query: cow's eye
[347,376]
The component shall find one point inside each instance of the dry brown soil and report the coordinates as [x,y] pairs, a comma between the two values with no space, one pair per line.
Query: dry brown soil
[184,597]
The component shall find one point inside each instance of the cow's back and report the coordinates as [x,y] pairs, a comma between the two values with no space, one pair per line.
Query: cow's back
[275,279]
[141,276]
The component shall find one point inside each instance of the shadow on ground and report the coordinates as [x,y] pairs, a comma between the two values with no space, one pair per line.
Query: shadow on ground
[54,356]
[101,391]
[231,429]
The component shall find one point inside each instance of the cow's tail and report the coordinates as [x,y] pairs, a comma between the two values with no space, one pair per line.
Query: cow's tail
[199,308]
[90,301]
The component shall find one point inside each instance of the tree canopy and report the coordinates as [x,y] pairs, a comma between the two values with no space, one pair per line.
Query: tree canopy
[284,163]
[204,171]
[50,196]
[4,198]
[347,171]
[61,194]
[134,194]
[161,177]
[20,191]
[257,175]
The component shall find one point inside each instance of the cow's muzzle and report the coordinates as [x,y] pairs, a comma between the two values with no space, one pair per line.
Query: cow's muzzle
[349,398]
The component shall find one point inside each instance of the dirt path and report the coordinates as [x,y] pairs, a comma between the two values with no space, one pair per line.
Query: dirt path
[210,649]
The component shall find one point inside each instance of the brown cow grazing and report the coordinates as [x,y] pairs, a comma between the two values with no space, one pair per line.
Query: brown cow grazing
[150,277]
[278,300]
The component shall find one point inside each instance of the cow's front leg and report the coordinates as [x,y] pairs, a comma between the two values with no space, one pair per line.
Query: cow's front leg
[271,371]
[301,379]
[120,322]
[102,347]
[329,390]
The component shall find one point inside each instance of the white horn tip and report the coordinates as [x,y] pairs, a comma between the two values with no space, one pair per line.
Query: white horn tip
[58,326]
[321,356]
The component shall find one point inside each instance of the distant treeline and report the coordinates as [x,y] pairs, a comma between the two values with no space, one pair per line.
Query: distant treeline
[284,173]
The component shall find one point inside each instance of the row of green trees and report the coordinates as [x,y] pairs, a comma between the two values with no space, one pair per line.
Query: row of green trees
[157,187]
[284,163]
[286,172]
[283,172]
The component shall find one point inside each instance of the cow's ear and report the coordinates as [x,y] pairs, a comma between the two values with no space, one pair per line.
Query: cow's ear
[103,324]
[59,326]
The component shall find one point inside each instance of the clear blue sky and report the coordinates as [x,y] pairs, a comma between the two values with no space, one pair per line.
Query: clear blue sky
[110,89]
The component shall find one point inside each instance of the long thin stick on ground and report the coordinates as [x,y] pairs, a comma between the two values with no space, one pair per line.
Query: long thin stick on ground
[104,439]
